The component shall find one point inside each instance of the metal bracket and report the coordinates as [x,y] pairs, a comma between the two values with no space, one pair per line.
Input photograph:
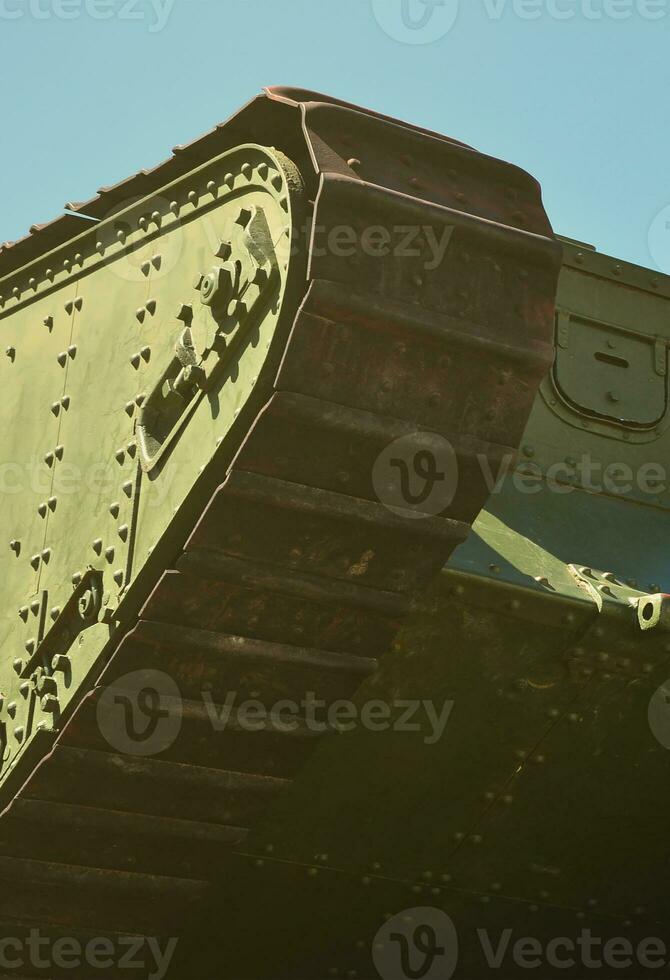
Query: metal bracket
[79,613]
[231,295]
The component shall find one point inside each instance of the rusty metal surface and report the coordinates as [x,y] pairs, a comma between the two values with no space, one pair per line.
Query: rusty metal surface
[293,542]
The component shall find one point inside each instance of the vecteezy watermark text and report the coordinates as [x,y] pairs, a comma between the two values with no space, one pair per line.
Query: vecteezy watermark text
[141,714]
[155,12]
[426,21]
[429,243]
[40,952]
[424,942]
[418,475]
[319,716]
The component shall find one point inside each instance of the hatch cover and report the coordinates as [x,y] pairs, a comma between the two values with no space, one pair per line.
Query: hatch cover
[611,372]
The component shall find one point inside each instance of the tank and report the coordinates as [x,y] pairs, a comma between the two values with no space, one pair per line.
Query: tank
[332,607]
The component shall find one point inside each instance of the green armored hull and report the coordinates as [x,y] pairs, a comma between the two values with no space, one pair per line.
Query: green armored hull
[334,569]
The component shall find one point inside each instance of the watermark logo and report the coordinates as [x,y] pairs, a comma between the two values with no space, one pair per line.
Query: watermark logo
[416,474]
[416,21]
[141,713]
[417,944]
[659,240]
[658,714]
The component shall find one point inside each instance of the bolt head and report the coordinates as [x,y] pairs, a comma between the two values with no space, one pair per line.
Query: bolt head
[217,286]
[49,703]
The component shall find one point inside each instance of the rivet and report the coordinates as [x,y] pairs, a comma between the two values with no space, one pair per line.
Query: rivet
[212,187]
[130,408]
[119,456]
[146,353]
[114,509]
[11,353]
[42,510]
[97,546]
[244,217]
[34,607]
[65,402]
[18,663]
[46,555]
[118,577]
[128,488]
[72,351]
[193,198]
[23,613]
[123,532]
[135,361]
[109,554]
[156,217]
[246,170]
[24,689]
[76,578]
[151,306]
[48,322]
[55,612]
[19,733]
[35,562]
[59,452]
[174,207]
[143,222]
[15,546]
[141,313]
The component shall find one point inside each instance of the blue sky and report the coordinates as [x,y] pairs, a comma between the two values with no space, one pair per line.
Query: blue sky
[576,91]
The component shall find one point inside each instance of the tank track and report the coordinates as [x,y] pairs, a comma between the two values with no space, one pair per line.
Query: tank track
[296,577]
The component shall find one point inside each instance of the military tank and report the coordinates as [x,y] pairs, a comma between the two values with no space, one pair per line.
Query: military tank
[296,423]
